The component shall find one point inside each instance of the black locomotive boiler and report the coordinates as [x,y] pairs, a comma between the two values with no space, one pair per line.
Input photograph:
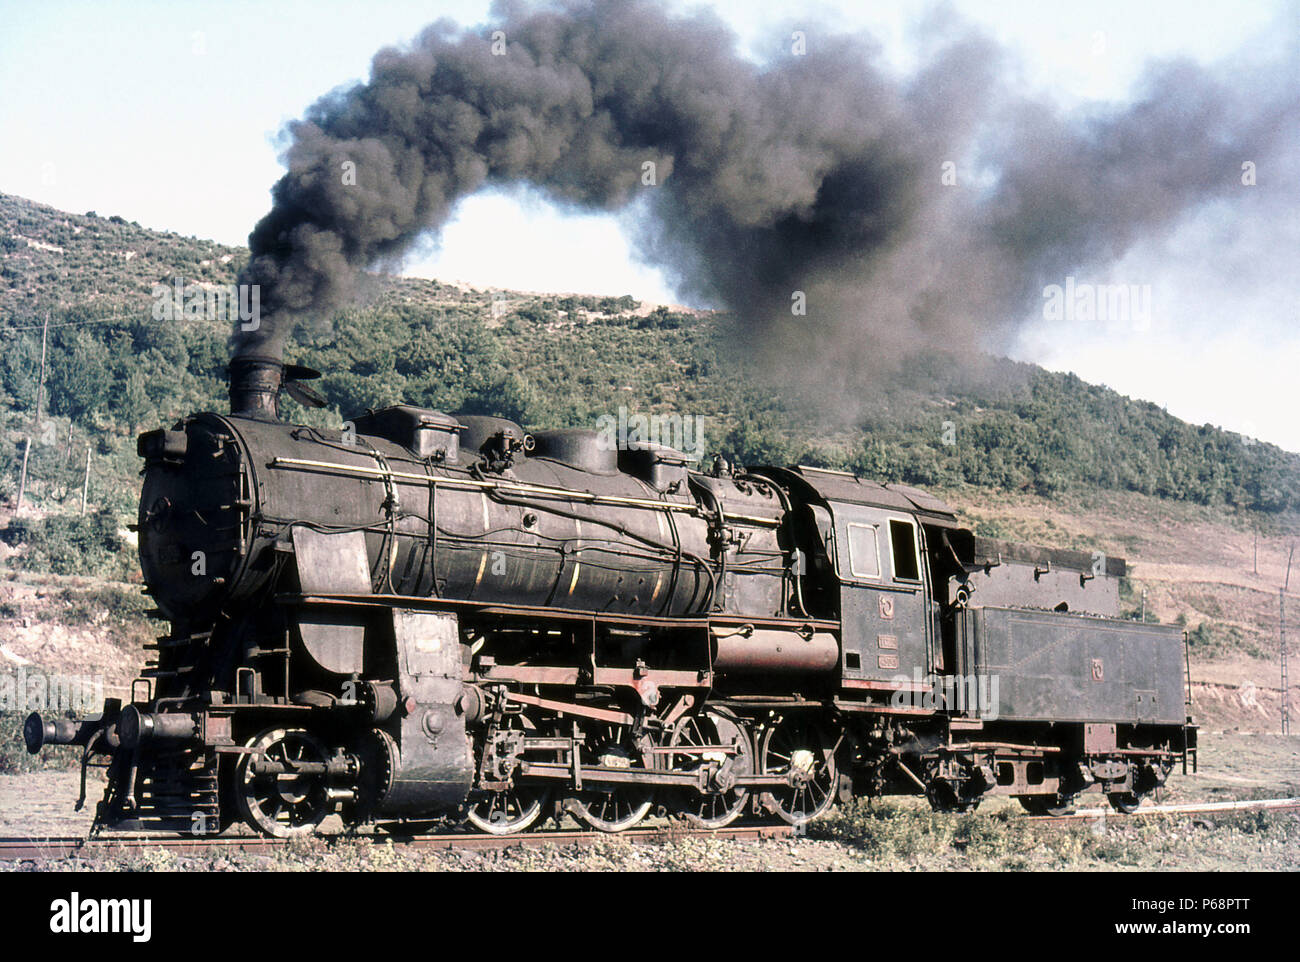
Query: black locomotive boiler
[424,615]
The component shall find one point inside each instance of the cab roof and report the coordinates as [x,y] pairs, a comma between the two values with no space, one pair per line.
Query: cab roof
[842,486]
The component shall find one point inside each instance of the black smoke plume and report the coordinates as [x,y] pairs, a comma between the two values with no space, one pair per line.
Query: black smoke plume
[819,173]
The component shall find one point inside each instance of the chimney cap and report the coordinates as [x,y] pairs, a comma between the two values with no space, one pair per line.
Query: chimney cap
[291,372]
[300,372]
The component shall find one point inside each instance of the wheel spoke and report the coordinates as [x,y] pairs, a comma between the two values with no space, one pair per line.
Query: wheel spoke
[713,730]
[282,804]
[812,793]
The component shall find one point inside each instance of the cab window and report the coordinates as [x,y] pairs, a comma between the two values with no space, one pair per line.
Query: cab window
[864,552]
[902,541]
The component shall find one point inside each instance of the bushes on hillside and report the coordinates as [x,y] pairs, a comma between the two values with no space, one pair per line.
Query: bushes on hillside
[71,545]
[1012,426]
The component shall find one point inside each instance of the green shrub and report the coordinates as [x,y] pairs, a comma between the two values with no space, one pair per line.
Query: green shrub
[71,545]
[122,604]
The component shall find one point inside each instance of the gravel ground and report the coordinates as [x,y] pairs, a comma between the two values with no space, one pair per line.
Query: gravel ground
[889,836]
[41,803]
[880,839]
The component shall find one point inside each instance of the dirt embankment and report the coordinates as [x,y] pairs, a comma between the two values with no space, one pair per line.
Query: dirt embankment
[71,626]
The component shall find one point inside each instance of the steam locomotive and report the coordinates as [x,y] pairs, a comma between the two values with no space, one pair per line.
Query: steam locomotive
[425,616]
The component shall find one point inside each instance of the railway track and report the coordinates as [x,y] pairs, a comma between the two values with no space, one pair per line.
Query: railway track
[33,848]
[64,847]
[1191,808]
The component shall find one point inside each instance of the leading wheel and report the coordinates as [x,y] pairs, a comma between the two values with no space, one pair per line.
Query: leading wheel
[272,796]
[732,756]
[804,753]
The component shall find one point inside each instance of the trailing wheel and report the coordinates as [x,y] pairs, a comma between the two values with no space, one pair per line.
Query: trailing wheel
[803,752]
[732,755]
[274,797]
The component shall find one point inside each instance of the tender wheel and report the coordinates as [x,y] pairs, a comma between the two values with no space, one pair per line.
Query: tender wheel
[1045,804]
[508,811]
[715,809]
[804,753]
[947,802]
[610,808]
[1124,802]
[282,804]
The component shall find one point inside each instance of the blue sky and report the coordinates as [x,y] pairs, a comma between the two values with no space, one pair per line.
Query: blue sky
[168,114]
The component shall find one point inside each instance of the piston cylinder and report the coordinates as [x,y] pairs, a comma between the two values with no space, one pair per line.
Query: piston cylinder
[137,726]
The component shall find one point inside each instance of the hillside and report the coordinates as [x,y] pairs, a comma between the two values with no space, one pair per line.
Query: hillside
[566,360]
[1020,451]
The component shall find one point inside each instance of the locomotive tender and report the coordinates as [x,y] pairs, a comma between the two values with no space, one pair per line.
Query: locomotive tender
[427,615]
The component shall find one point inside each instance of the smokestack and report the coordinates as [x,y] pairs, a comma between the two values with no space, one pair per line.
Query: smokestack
[255,381]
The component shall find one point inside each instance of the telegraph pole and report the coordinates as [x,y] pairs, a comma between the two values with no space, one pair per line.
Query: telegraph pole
[40,384]
[85,482]
[1286,688]
[22,479]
